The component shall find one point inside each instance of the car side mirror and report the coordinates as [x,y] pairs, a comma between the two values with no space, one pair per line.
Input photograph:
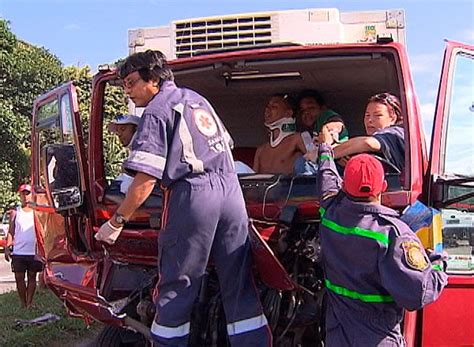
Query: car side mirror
[62,175]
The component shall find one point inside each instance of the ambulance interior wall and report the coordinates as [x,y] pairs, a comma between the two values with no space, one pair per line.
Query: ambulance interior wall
[346,82]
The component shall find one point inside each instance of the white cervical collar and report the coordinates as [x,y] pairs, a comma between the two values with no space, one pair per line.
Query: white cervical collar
[286,127]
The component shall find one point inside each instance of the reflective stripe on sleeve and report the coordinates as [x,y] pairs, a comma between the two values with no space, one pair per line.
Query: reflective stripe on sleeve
[355,295]
[322,211]
[170,332]
[148,159]
[245,325]
[324,157]
[355,231]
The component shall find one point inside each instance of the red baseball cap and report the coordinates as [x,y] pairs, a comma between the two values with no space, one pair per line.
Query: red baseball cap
[24,187]
[364,176]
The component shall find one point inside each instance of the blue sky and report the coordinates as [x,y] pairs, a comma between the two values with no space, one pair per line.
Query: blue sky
[91,32]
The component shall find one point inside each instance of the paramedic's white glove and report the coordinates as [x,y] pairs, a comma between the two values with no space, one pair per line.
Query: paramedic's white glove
[108,233]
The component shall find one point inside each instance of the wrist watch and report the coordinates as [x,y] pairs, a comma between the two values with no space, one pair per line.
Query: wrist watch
[119,219]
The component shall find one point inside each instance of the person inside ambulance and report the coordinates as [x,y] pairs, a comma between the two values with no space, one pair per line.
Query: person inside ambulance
[313,114]
[375,266]
[182,143]
[385,134]
[124,126]
[285,145]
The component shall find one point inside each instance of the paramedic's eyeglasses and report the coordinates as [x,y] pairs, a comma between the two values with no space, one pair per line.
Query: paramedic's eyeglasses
[130,83]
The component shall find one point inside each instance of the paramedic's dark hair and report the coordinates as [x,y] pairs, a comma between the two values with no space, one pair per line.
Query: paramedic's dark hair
[151,65]
[311,93]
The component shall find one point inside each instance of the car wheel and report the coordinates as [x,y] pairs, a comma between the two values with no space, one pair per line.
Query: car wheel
[118,337]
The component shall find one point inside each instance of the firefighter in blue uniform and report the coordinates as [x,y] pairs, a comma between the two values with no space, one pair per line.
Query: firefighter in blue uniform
[375,266]
[182,142]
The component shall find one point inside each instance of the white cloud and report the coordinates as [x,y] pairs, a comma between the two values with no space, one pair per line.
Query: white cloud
[73,27]
[427,111]
[427,62]
[459,143]
[467,36]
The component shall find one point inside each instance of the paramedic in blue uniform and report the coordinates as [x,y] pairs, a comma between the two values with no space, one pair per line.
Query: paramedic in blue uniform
[182,143]
[375,266]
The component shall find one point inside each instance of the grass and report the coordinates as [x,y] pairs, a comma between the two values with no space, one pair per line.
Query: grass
[65,332]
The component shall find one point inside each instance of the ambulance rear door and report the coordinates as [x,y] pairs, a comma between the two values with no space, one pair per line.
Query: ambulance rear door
[449,320]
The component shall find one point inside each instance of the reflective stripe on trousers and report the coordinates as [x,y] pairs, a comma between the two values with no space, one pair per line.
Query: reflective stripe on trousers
[246,325]
[170,332]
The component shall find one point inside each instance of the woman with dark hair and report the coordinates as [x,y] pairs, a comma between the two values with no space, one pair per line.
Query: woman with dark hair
[383,123]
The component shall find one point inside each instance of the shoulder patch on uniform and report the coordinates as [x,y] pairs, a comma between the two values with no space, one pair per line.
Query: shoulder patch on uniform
[414,255]
[204,122]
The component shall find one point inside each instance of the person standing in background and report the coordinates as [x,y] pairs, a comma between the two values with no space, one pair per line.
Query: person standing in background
[21,247]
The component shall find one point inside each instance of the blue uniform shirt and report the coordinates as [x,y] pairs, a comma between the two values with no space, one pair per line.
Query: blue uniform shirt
[392,142]
[182,142]
[374,266]
[180,136]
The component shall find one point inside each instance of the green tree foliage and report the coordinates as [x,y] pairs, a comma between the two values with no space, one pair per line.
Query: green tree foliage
[26,71]
[13,133]
[114,152]
[7,197]
[82,79]
[114,105]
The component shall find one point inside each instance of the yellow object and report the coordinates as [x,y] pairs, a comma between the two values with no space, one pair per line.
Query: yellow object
[431,236]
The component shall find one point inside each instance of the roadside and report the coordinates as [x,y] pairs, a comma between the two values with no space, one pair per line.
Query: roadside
[7,279]
[66,331]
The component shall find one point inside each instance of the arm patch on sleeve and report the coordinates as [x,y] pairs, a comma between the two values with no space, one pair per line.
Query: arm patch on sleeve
[414,256]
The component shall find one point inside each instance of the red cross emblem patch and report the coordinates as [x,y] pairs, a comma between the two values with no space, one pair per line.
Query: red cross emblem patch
[205,122]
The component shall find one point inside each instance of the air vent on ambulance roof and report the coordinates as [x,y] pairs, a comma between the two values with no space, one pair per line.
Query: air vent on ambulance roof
[220,33]
[317,26]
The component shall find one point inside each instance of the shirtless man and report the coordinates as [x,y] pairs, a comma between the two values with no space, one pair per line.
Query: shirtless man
[279,154]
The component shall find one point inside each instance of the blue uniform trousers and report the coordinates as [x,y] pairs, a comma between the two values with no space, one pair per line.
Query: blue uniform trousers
[355,328]
[205,218]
